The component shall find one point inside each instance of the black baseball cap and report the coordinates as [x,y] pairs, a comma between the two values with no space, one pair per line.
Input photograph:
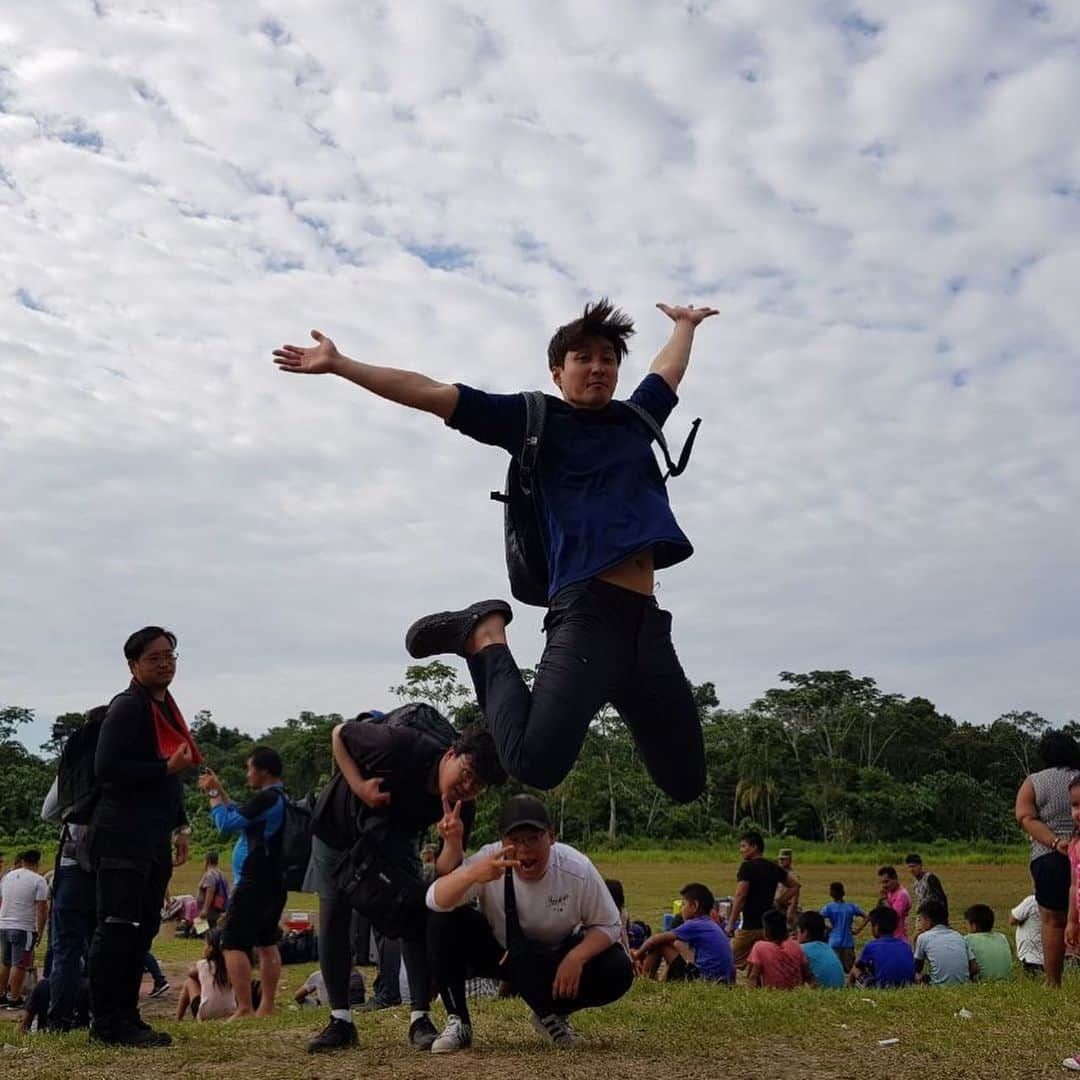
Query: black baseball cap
[523,810]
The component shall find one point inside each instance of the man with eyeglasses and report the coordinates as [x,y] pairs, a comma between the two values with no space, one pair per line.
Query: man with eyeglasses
[143,747]
[545,923]
[393,783]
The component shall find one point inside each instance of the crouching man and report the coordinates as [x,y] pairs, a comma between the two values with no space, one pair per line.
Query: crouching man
[546,924]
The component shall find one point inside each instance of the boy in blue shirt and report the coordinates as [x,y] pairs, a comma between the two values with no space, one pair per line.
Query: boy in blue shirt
[697,948]
[840,915]
[824,963]
[886,961]
[606,526]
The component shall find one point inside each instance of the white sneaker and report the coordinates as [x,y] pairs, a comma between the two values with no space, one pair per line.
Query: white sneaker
[557,1030]
[1072,1063]
[457,1035]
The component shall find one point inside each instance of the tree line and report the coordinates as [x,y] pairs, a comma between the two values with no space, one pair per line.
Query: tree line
[825,755]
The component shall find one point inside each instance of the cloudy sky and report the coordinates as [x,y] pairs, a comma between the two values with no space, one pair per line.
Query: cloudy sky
[882,200]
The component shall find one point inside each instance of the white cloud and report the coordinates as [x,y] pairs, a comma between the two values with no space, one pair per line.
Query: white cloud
[884,203]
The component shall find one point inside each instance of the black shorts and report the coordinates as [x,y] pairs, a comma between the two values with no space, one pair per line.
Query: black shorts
[1051,873]
[254,914]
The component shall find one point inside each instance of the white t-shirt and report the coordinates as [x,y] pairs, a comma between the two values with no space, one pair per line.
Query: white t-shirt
[19,892]
[571,894]
[1029,946]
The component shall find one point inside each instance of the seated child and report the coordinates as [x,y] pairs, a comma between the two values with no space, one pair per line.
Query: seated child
[207,991]
[696,948]
[34,1015]
[615,887]
[887,961]
[945,950]
[824,963]
[840,915]
[313,991]
[777,962]
[990,948]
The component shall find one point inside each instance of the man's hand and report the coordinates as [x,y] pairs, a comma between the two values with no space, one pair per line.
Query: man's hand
[1072,933]
[729,929]
[493,866]
[317,360]
[208,781]
[370,793]
[692,315]
[567,976]
[179,759]
[451,827]
[183,847]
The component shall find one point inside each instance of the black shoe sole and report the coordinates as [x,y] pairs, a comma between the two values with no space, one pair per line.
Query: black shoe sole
[447,631]
[325,1048]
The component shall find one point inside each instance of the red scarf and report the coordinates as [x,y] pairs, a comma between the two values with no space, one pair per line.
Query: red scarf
[172,730]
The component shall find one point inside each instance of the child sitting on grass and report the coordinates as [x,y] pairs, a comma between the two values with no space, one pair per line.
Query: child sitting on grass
[825,965]
[840,915]
[777,962]
[207,991]
[946,950]
[887,961]
[696,948]
[990,947]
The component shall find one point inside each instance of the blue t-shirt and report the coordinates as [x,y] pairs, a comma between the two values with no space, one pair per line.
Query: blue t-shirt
[824,964]
[712,949]
[841,915]
[260,818]
[601,492]
[890,961]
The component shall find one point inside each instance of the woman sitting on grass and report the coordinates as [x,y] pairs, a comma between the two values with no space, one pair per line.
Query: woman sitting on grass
[207,991]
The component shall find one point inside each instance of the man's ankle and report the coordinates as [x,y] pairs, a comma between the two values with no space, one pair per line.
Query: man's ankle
[490,630]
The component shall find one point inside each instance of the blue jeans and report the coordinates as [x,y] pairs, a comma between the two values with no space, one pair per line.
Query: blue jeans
[70,927]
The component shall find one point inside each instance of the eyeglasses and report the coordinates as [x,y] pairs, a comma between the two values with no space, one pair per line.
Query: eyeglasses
[159,658]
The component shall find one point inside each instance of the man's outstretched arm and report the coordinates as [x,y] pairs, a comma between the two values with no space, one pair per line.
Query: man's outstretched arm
[671,361]
[405,387]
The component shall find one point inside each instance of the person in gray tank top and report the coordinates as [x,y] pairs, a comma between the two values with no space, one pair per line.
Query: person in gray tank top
[1043,811]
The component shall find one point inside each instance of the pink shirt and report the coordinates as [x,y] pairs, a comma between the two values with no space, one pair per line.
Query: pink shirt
[781,967]
[900,902]
[1074,862]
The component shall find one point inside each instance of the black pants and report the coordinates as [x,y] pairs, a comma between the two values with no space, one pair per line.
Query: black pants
[604,644]
[335,933]
[462,946]
[129,897]
[71,925]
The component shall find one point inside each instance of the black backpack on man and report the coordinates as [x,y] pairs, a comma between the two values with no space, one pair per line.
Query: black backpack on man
[526,552]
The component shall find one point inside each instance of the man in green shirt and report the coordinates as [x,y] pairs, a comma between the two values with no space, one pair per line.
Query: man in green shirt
[992,951]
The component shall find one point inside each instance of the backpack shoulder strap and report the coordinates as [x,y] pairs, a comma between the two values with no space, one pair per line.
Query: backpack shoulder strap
[674,468]
[535,416]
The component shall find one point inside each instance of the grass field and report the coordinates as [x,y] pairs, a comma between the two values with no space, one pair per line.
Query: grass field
[1017,1030]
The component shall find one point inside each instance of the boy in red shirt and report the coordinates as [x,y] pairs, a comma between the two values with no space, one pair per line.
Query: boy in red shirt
[777,962]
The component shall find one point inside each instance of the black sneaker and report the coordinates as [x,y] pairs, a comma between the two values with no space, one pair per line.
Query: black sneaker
[159,989]
[335,1036]
[13,1004]
[141,1037]
[447,631]
[422,1032]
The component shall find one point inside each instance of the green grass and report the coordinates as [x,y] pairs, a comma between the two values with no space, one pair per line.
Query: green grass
[1018,1030]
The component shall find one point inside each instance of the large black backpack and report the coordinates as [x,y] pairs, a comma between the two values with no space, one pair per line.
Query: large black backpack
[425,719]
[294,840]
[77,786]
[526,552]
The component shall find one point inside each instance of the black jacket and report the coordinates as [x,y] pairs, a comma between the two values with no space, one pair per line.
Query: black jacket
[140,804]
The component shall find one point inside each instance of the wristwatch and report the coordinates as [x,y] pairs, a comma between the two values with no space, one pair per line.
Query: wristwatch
[213,793]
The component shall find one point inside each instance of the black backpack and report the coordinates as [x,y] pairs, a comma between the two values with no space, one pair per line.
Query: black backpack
[526,552]
[77,786]
[294,840]
[425,719]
